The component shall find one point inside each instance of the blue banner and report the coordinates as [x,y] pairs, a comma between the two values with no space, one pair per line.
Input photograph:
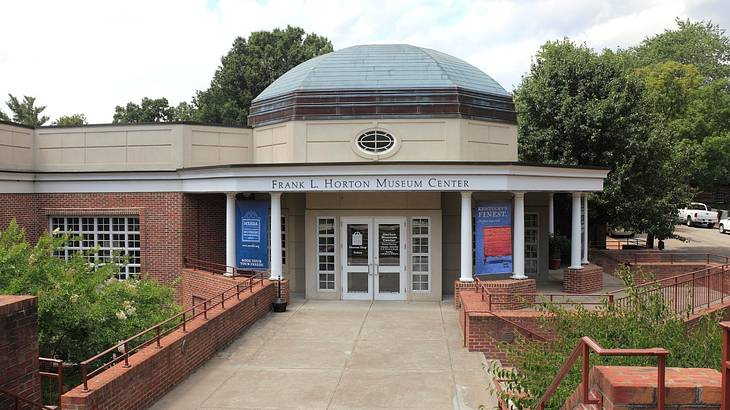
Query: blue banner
[252,234]
[493,234]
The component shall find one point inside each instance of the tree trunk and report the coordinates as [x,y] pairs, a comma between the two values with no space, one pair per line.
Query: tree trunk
[650,241]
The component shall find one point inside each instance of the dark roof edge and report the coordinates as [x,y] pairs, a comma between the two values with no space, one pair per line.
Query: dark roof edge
[16,124]
[383,163]
[112,124]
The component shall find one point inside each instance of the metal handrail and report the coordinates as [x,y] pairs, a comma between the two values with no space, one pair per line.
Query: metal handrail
[685,286]
[159,333]
[217,268]
[18,399]
[584,348]
[58,375]
[671,257]
[725,400]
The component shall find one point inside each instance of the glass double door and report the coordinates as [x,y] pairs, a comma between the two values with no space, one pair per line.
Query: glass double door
[373,258]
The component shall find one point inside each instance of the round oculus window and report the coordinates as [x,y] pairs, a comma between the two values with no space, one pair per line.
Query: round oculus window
[375,142]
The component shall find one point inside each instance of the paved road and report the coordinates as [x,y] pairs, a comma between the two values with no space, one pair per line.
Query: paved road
[702,240]
[342,355]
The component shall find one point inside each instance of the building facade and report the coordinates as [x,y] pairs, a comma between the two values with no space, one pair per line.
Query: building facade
[376,164]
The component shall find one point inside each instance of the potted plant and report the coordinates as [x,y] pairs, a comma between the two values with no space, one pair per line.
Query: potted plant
[555,245]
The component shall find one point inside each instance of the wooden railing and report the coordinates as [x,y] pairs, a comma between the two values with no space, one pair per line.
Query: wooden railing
[584,348]
[155,333]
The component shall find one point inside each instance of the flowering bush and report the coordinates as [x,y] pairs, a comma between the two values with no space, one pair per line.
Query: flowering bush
[82,308]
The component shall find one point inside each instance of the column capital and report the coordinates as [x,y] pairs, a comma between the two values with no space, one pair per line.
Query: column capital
[518,194]
[275,194]
[466,194]
[578,194]
[231,194]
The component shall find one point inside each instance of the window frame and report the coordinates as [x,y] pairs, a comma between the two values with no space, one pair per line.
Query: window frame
[428,236]
[333,254]
[536,228]
[66,252]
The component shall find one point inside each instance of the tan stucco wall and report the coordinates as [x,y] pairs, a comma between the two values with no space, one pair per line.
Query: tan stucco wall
[16,148]
[392,204]
[419,140]
[174,146]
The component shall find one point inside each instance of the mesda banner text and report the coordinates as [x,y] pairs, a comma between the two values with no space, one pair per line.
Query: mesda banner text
[493,237]
[252,234]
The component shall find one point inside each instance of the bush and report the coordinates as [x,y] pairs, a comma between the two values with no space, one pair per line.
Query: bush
[643,322]
[82,308]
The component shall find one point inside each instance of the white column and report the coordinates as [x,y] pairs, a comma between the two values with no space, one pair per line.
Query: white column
[518,244]
[551,215]
[575,236]
[230,231]
[466,251]
[584,259]
[275,235]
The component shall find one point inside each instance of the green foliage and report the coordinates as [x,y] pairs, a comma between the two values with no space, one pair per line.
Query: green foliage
[150,110]
[645,321]
[82,309]
[700,43]
[25,112]
[3,116]
[249,67]
[71,120]
[578,107]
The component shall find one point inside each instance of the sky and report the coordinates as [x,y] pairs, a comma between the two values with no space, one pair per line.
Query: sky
[88,57]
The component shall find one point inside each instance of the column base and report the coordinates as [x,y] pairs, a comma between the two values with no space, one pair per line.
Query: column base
[466,279]
[518,277]
[584,280]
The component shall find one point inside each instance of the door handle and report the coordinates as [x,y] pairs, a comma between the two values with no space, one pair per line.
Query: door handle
[370,269]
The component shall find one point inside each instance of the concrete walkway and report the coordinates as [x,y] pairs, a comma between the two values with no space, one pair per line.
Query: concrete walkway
[342,355]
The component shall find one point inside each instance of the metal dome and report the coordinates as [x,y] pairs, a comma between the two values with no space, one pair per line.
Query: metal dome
[382,67]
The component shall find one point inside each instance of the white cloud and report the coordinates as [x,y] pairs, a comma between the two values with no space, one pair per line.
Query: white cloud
[88,56]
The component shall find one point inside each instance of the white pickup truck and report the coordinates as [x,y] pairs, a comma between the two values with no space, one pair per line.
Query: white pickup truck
[698,214]
[724,221]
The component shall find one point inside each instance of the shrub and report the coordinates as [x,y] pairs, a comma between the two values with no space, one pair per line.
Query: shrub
[643,321]
[82,308]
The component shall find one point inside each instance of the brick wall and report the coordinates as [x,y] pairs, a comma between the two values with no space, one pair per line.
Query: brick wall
[154,370]
[511,294]
[19,348]
[161,221]
[204,223]
[581,281]
[622,387]
[459,287]
[486,331]
[205,285]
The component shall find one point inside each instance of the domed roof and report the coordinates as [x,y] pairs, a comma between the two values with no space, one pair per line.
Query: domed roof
[382,67]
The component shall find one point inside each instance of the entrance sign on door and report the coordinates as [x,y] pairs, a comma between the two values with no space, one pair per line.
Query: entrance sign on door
[252,227]
[493,231]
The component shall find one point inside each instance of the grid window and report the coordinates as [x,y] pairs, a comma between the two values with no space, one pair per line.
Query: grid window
[531,242]
[109,236]
[421,254]
[326,253]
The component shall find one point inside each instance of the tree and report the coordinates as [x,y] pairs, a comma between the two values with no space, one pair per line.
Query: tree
[71,120]
[184,112]
[150,110]
[701,43]
[3,116]
[577,107]
[82,308]
[249,67]
[25,112]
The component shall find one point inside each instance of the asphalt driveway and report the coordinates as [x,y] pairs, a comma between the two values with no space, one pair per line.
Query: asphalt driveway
[342,355]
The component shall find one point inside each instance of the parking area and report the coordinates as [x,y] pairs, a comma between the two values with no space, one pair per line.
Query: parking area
[698,239]
[343,355]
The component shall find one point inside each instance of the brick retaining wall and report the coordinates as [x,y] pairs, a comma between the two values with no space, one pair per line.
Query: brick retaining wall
[154,371]
[19,348]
